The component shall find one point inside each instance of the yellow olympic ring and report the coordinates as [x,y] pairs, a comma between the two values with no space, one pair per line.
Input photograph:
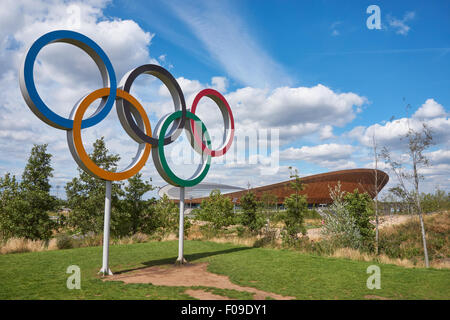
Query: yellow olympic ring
[75,136]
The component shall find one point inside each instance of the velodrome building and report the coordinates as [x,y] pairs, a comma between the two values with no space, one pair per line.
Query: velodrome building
[317,187]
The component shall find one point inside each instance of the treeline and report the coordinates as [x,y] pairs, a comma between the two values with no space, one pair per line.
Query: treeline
[26,206]
[396,201]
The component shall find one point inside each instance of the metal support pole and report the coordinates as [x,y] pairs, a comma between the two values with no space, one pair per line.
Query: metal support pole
[180,259]
[105,267]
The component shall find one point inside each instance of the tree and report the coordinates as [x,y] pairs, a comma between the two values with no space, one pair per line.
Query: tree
[86,194]
[216,209]
[296,209]
[418,142]
[359,206]
[136,214]
[166,216]
[250,217]
[38,170]
[25,206]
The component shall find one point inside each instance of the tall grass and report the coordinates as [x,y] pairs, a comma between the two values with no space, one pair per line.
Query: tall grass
[19,245]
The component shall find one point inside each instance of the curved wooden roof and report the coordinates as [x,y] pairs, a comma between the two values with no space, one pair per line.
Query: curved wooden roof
[317,186]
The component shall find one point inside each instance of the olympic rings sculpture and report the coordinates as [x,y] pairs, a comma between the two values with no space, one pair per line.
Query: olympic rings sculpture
[132,115]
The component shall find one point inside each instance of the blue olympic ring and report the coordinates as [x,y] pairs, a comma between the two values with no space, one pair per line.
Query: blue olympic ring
[32,97]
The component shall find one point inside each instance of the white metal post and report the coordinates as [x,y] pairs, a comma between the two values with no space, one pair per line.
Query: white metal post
[180,259]
[105,267]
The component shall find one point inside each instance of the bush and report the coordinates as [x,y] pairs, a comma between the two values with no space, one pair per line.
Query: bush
[216,209]
[340,226]
[64,242]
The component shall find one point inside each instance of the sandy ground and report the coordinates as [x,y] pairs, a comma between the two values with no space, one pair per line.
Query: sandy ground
[387,221]
[190,275]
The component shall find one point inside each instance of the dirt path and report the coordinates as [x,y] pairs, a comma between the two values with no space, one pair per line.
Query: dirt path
[190,275]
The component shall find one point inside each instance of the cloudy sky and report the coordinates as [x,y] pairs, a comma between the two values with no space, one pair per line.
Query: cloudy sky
[311,71]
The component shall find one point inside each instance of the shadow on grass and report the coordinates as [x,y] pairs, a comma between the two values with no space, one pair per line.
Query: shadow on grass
[188,257]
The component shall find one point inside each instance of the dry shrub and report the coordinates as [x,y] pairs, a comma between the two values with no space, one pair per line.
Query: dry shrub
[123,240]
[52,244]
[195,233]
[442,264]
[18,245]
[352,254]
[249,242]
[397,261]
[140,237]
[91,241]
[136,238]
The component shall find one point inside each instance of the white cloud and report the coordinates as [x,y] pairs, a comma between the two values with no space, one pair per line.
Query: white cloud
[295,111]
[390,133]
[429,110]
[326,132]
[321,152]
[220,84]
[332,156]
[400,25]
[439,157]
[333,27]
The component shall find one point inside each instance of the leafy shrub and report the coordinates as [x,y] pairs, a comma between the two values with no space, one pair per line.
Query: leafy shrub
[340,226]
[250,217]
[293,218]
[166,216]
[296,208]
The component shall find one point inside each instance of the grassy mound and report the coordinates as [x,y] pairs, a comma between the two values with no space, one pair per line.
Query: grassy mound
[404,241]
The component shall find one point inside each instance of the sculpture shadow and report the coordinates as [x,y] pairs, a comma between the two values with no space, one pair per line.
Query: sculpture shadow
[189,257]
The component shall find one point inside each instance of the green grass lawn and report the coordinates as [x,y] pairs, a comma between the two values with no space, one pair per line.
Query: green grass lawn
[42,275]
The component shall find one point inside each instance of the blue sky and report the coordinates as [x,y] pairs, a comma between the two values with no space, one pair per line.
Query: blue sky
[311,69]
[298,35]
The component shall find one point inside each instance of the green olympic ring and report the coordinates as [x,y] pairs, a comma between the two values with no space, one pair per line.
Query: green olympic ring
[159,157]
